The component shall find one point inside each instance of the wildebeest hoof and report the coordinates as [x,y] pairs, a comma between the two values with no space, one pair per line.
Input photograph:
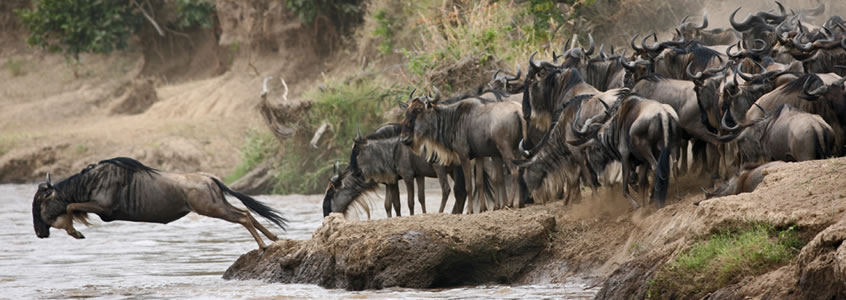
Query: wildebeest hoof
[77,235]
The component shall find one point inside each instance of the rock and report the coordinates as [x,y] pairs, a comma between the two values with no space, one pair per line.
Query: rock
[31,164]
[259,180]
[425,251]
[821,264]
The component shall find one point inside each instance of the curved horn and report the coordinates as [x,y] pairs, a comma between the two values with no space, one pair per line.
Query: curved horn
[523,151]
[704,21]
[742,26]
[761,49]
[519,74]
[632,42]
[655,46]
[744,76]
[49,181]
[602,55]
[629,65]
[797,43]
[737,55]
[532,63]
[496,74]
[589,52]
[736,86]
[411,95]
[566,45]
[358,135]
[335,167]
[437,95]
[690,74]
[724,123]
[684,20]
[816,93]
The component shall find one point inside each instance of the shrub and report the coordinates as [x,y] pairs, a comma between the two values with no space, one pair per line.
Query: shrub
[258,146]
[724,258]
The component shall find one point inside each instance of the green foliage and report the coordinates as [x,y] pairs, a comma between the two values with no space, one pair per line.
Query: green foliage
[346,105]
[339,12]
[544,15]
[195,13]
[258,146]
[15,67]
[75,27]
[724,258]
[385,29]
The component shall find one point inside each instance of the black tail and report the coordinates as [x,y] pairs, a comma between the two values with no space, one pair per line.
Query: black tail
[260,208]
[823,147]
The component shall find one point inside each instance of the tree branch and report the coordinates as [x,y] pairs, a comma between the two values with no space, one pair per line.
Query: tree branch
[149,18]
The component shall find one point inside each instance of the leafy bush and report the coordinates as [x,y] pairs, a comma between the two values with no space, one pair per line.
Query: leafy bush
[725,258]
[195,13]
[385,29]
[342,13]
[100,27]
[346,105]
[15,67]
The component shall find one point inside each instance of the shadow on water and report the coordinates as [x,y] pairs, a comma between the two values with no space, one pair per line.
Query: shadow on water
[184,259]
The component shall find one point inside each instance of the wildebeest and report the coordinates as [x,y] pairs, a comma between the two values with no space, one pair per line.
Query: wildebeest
[640,132]
[553,163]
[123,189]
[787,134]
[690,31]
[820,94]
[745,182]
[382,158]
[466,130]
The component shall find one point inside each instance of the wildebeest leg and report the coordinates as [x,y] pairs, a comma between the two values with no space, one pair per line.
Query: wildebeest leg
[84,207]
[479,191]
[499,183]
[467,167]
[409,189]
[225,211]
[627,174]
[643,185]
[389,201]
[459,180]
[261,228]
[444,183]
[393,188]
[66,222]
[421,192]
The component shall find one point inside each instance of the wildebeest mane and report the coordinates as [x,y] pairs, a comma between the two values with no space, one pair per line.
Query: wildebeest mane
[702,56]
[129,164]
[653,77]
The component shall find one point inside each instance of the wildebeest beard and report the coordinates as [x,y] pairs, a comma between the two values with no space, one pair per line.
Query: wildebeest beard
[439,132]
[352,189]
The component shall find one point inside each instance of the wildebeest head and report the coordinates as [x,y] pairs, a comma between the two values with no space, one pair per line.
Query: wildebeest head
[334,184]
[635,70]
[419,110]
[345,188]
[45,194]
[689,30]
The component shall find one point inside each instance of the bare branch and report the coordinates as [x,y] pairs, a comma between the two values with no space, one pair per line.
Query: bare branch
[149,18]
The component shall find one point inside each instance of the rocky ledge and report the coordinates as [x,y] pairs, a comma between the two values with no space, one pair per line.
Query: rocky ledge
[425,251]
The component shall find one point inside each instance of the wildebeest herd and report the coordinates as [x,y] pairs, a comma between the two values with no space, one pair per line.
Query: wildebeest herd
[770,88]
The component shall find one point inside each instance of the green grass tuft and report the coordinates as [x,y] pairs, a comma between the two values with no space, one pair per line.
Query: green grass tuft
[16,67]
[725,258]
[258,146]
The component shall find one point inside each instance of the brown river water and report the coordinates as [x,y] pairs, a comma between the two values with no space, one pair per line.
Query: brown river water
[186,259]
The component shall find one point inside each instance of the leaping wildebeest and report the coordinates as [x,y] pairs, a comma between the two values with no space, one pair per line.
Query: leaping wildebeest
[123,189]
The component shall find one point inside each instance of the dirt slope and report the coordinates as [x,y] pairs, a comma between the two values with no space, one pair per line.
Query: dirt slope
[182,103]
